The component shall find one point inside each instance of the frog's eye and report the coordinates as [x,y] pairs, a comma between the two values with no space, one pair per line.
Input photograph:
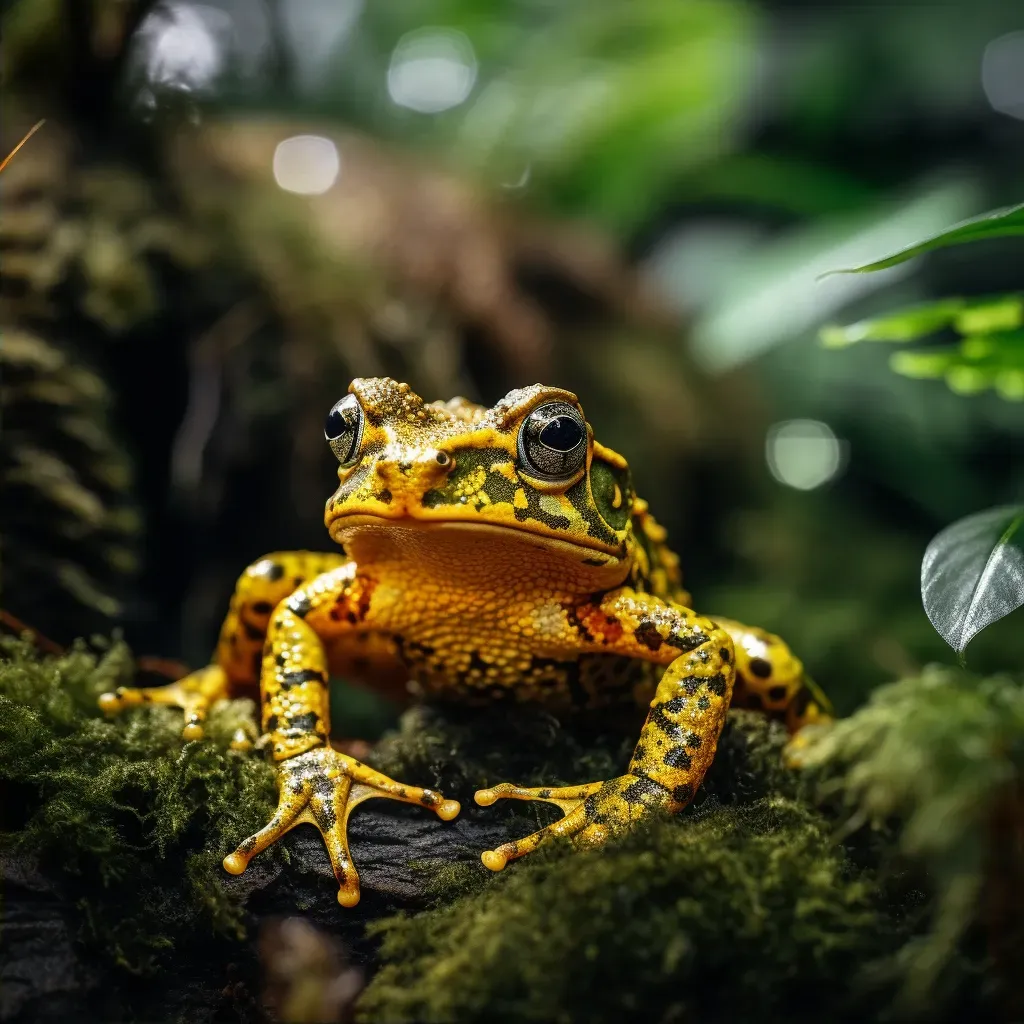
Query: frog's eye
[343,428]
[553,441]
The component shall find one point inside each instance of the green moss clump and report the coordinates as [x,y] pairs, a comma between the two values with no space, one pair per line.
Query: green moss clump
[133,821]
[934,767]
[732,914]
[882,881]
[742,906]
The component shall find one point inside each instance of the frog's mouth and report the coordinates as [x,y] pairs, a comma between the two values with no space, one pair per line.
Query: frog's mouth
[353,527]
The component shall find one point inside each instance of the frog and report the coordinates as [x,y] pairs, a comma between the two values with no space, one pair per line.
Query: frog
[486,555]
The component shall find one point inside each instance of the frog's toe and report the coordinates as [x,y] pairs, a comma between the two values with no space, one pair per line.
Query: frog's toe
[565,797]
[173,695]
[242,740]
[194,695]
[322,787]
[592,813]
[565,827]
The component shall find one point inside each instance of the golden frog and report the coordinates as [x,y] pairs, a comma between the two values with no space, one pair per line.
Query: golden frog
[488,553]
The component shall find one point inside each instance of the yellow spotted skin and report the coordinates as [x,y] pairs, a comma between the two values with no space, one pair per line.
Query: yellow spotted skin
[489,554]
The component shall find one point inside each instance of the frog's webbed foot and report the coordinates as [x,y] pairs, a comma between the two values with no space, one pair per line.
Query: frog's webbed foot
[592,813]
[322,787]
[194,694]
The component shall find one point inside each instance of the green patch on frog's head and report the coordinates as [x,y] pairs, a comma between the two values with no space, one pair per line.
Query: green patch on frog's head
[529,465]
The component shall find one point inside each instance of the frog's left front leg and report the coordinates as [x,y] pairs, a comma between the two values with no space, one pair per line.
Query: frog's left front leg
[317,784]
[678,740]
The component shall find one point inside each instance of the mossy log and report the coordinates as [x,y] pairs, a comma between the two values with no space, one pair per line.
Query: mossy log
[116,908]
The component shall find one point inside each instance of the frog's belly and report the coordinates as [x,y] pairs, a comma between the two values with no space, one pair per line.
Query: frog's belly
[483,673]
[466,642]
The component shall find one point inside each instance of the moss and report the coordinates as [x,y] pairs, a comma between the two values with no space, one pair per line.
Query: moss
[132,821]
[933,766]
[742,905]
[889,865]
[882,881]
[463,749]
[725,915]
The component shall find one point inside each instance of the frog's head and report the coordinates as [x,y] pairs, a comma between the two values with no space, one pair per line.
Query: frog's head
[526,470]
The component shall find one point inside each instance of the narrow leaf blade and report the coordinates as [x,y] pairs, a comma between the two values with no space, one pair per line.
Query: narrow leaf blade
[972,573]
[994,224]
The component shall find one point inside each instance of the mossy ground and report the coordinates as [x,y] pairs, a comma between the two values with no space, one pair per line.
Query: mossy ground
[762,901]
[132,820]
[733,914]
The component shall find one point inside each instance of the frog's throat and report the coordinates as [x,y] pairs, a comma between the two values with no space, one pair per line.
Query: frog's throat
[346,527]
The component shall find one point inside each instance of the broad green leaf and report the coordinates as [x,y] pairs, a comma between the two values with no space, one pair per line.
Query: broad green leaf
[965,316]
[972,573]
[995,224]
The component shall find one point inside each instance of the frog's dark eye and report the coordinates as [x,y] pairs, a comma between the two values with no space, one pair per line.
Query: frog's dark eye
[343,428]
[553,441]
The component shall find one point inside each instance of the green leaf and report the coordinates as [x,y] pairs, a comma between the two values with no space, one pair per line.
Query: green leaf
[972,574]
[966,316]
[994,224]
[979,362]
[903,325]
[990,355]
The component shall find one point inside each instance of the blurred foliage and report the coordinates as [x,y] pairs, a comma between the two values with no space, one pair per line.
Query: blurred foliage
[75,257]
[69,537]
[971,573]
[598,106]
[991,352]
[308,977]
[767,294]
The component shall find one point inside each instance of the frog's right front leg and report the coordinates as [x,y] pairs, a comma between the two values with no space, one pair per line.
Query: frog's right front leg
[317,784]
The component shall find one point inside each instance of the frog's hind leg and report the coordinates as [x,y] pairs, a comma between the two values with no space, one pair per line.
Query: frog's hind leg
[770,678]
[239,656]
